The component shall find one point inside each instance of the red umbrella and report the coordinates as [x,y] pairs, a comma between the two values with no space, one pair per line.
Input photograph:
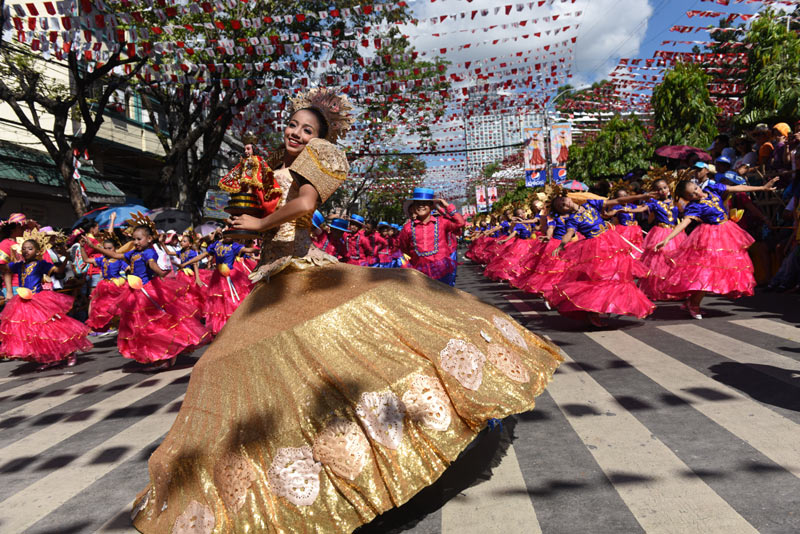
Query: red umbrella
[683,152]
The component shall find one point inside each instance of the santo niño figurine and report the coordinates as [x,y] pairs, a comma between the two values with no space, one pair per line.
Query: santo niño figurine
[253,188]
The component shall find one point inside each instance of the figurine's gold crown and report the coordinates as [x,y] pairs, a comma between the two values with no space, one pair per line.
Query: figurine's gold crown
[336,108]
[249,138]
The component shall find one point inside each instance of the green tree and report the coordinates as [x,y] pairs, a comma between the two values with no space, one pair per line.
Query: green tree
[47,107]
[620,147]
[683,113]
[773,77]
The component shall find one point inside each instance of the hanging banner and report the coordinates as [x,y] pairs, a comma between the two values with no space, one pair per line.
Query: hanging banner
[534,154]
[214,205]
[535,178]
[560,141]
[480,198]
[559,174]
[492,193]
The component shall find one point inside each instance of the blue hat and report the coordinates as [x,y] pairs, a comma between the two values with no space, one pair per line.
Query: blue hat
[357,219]
[422,193]
[723,159]
[700,165]
[384,223]
[317,219]
[731,176]
[340,224]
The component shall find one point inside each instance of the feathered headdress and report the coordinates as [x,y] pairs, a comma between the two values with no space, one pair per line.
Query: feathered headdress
[140,219]
[334,107]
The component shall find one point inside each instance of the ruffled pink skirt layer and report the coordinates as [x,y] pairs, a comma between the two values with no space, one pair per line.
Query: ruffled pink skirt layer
[600,279]
[712,259]
[157,324]
[104,305]
[40,330]
[223,295]
[658,263]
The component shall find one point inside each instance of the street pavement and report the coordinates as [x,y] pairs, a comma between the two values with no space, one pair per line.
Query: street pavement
[667,425]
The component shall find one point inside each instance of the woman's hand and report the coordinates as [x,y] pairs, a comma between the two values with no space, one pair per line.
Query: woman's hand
[247,223]
[770,186]
[544,238]
[558,250]
[660,245]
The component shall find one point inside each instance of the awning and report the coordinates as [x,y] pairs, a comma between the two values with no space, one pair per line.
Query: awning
[34,168]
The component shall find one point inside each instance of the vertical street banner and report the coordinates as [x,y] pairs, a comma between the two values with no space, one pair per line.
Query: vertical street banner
[492,194]
[534,153]
[560,141]
[480,198]
[559,174]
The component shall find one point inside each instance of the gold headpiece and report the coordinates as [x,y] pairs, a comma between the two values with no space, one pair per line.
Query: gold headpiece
[105,235]
[249,138]
[617,186]
[334,107]
[659,173]
[41,238]
[553,191]
[140,219]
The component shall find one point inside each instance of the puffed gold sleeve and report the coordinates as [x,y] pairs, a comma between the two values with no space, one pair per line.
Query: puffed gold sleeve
[323,165]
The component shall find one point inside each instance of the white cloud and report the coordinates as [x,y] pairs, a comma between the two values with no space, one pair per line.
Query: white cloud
[612,29]
[609,29]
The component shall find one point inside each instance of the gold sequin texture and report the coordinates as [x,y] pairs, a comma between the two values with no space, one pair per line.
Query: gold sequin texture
[306,358]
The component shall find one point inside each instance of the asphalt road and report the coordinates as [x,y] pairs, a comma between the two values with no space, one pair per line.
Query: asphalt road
[664,425]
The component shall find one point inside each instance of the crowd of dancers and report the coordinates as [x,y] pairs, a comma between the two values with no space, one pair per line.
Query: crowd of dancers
[588,257]
[162,301]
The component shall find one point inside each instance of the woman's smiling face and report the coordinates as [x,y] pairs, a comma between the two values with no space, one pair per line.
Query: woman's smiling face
[302,128]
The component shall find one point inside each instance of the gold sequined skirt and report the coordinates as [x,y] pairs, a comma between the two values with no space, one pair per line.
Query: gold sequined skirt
[332,395]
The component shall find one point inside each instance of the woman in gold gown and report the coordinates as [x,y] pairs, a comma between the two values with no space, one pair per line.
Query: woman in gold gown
[335,392]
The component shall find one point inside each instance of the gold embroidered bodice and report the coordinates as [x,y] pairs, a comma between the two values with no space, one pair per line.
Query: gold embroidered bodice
[289,243]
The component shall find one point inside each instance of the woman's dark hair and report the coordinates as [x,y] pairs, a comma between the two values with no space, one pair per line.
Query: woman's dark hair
[113,244]
[680,189]
[655,184]
[189,236]
[555,201]
[147,230]
[35,244]
[88,225]
[323,124]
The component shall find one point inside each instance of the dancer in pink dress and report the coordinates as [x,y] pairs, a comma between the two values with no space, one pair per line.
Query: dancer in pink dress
[156,324]
[664,217]
[104,304]
[625,223]
[602,272]
[228,285]
[713,259]
[33,324]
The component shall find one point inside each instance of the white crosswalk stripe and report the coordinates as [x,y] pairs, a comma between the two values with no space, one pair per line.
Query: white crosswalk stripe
[774,364]
[24,508]
[502,500]
[664,502]
[765,430]
[37,442]
[40,405]
[783,330]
